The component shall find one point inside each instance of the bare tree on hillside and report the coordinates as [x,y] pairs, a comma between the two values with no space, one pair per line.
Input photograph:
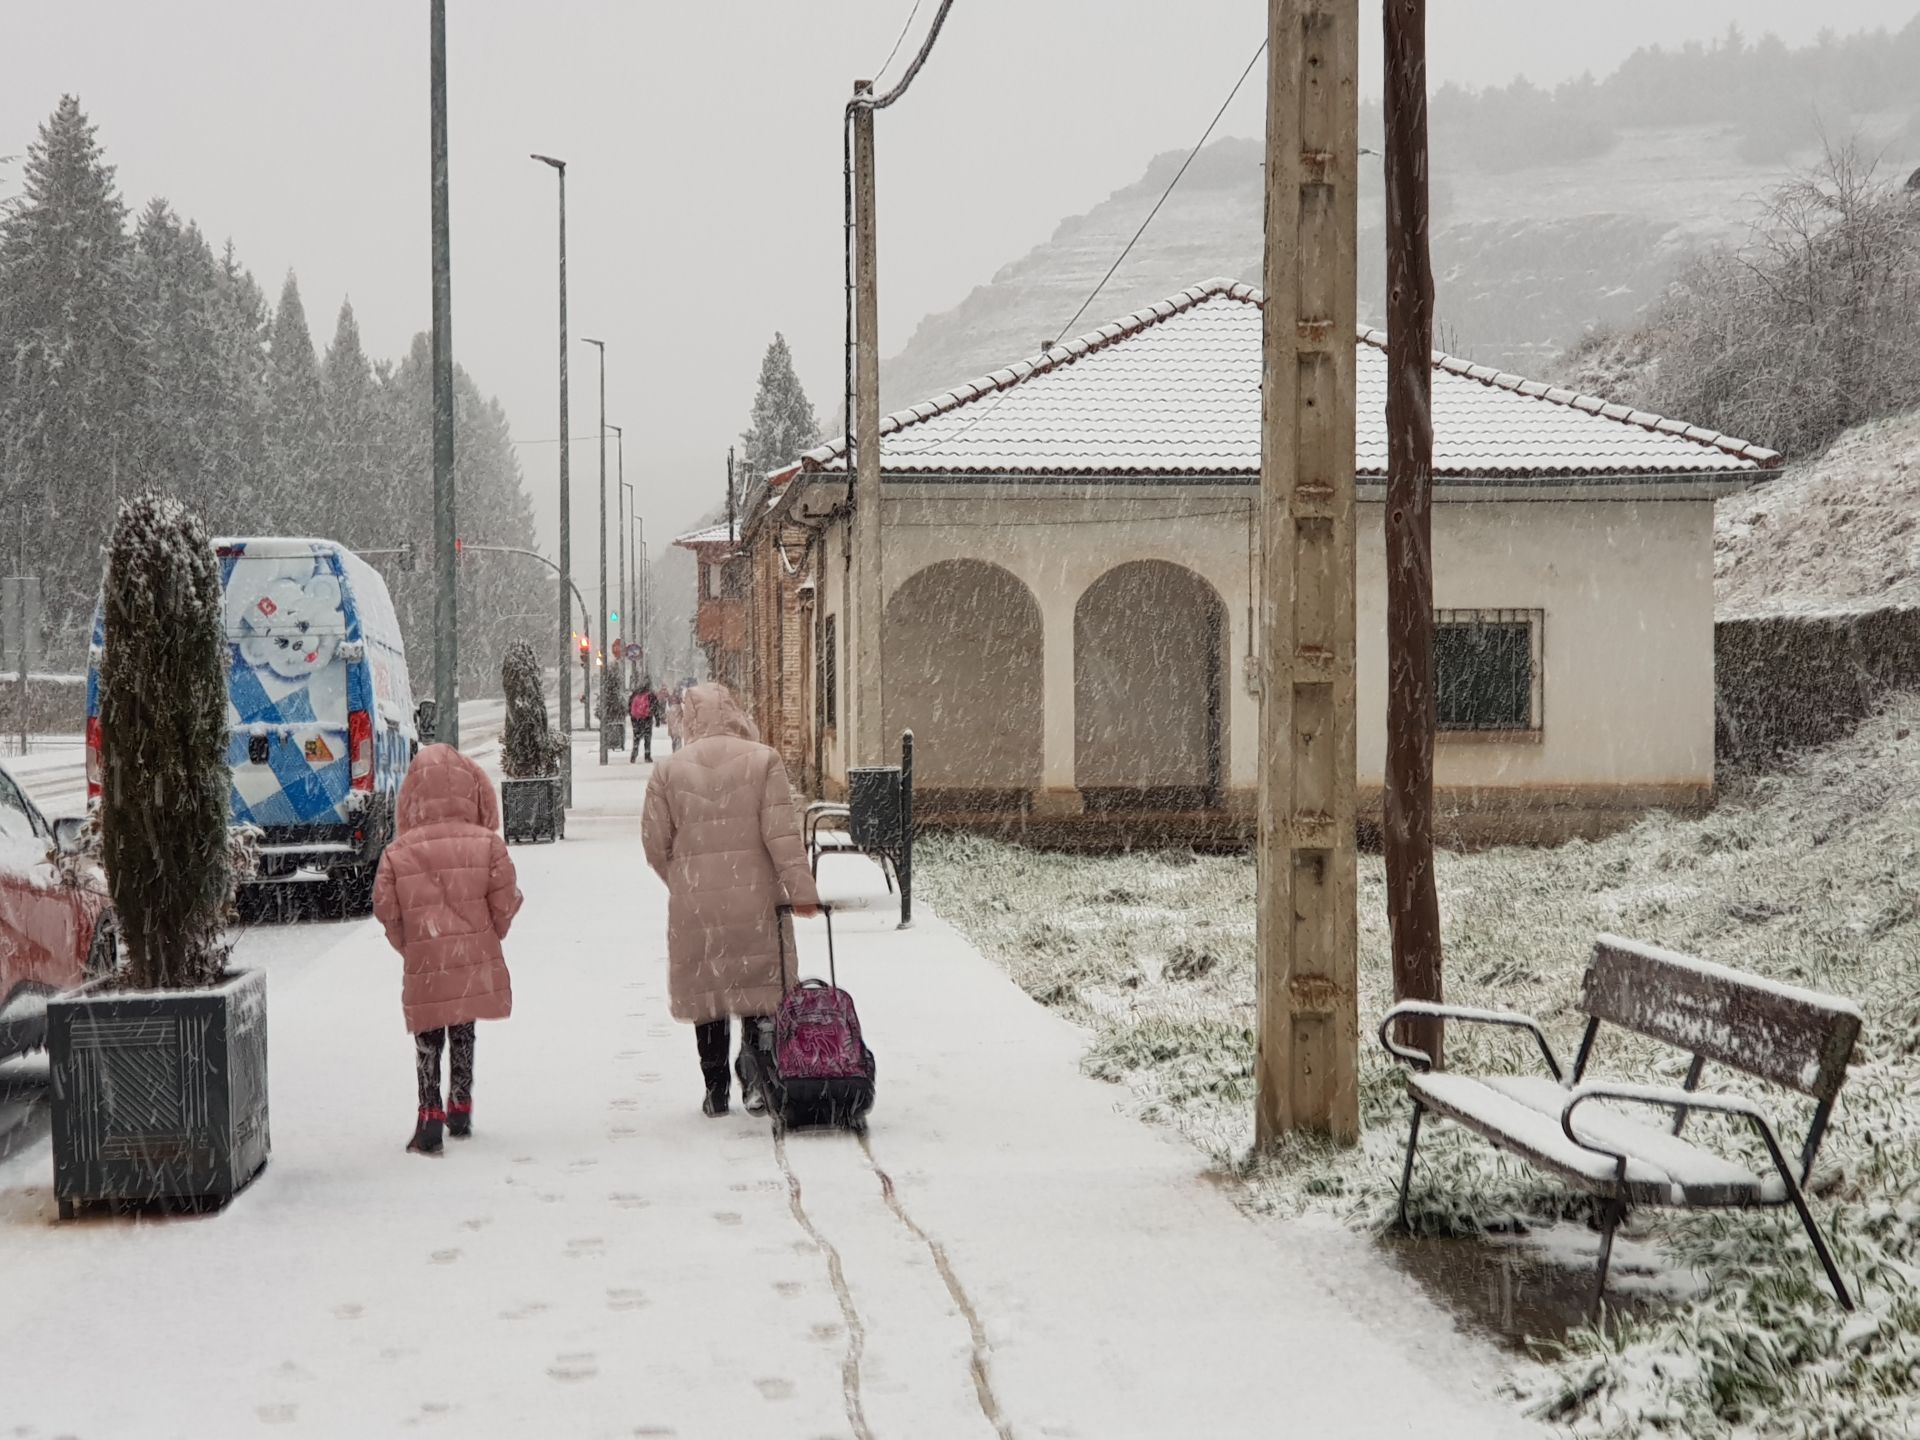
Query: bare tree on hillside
[1811,328]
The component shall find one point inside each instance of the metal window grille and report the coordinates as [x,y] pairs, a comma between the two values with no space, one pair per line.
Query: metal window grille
[830,673]
[1487,669]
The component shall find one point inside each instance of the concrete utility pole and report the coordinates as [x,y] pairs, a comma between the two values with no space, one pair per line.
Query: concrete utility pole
[446,594]
[1413,901]
[566,502]
[869,598]
[1308,1017]
[601,721]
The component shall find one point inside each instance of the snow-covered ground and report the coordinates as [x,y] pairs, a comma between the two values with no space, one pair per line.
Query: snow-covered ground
[1009,1254]
[1809,876]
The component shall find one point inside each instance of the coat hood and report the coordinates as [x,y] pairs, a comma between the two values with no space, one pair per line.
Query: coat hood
[443,785]
[711,710]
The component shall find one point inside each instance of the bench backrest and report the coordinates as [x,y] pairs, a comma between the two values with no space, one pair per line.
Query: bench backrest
[1793,1037]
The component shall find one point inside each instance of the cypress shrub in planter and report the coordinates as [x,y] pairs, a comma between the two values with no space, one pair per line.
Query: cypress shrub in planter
[533,793]
[160,1073]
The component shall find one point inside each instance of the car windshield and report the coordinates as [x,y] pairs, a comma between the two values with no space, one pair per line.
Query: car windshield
[16,821]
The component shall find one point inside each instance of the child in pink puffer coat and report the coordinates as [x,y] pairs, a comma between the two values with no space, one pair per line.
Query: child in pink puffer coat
[447,893]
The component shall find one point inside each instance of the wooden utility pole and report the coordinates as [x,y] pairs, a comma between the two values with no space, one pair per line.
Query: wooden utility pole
[1309,1017]
[869,599]
[1413,904]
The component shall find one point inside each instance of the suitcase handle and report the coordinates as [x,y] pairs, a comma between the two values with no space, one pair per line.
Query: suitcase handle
[785,912]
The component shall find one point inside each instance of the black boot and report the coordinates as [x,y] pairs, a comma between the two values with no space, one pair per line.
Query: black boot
[460,1119]
[427,1131]
[716,1102]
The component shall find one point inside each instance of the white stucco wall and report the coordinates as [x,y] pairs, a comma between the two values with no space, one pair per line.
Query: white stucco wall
[1626,587]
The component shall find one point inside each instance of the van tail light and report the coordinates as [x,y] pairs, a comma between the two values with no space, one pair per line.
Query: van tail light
[360,746]
[96,767]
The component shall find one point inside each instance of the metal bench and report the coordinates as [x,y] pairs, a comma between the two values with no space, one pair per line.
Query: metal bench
[1799,1039]
[876,822]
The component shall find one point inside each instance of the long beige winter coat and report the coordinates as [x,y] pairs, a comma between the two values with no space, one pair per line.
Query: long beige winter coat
[721,830]
[446,893]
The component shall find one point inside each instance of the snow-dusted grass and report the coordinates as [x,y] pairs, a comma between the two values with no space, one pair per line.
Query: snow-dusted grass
[1840,532]
[1810,877]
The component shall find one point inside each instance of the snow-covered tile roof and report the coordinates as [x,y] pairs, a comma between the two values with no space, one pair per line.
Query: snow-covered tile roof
[712,535]
[1174,390]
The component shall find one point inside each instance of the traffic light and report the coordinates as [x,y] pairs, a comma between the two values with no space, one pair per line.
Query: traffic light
[614,618]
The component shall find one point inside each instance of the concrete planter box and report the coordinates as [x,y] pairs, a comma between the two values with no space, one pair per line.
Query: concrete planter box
[534,811]
[159,1096]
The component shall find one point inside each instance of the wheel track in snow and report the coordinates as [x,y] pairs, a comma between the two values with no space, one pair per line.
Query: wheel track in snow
[979,1363]
[836,1272]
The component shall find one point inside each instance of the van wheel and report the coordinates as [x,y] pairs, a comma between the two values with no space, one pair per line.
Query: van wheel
[103,952]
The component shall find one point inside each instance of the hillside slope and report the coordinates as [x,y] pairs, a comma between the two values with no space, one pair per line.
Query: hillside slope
[1838,532]
[1525,261]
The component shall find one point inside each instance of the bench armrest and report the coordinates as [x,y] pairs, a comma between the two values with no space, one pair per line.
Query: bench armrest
[1671,1098]
[818,813]
[1420,1060]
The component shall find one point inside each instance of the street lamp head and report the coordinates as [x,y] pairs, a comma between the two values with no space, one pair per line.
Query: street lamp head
[584,340]
[549,160]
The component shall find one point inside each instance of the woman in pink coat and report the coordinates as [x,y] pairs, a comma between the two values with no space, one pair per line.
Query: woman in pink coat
[721,830]
[446,893]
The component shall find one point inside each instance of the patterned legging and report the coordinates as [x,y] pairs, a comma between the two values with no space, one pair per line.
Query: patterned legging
[426,1064]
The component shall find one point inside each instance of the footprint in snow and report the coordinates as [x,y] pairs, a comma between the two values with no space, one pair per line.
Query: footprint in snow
[788,1288]
[277,1414]
[775,1388]
[524,1312]
[588,1246]
[479,1222]
[627,1200]
[578,1365]
[626,1299]
[349,1312]
[445,1257]
[727,1217]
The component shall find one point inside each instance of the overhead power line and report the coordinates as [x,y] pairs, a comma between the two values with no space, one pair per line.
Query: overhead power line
[1067,329]
[898,41]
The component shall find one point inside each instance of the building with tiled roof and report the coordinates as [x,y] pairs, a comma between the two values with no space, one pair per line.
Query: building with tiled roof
[1070,550]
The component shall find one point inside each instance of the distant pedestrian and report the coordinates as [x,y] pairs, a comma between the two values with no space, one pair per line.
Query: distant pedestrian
[640,708]
[446,893]
[721,830]
[676,726]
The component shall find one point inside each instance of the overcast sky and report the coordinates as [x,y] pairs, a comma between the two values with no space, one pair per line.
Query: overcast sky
[704,150]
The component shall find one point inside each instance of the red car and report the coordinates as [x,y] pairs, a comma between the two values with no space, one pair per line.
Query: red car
[56,930]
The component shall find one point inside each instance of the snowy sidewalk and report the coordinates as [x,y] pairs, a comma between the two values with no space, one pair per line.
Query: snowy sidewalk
[1006,1255]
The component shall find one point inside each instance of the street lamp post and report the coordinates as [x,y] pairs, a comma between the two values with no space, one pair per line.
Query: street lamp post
[620,543]
[566,502]
[446,598]
[637,626]
[601,346]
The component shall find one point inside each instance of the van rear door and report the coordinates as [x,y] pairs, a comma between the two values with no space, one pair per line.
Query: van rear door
[286,626]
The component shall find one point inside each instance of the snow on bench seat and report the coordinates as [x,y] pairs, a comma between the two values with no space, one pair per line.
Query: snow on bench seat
[1522,1113]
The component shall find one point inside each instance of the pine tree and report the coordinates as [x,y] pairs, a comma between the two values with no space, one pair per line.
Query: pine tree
[182,379]
[367,514]
[782,426]
[296,419]
[68,337]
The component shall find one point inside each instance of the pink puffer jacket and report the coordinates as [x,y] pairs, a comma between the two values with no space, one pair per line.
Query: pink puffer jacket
[721,830]
[446,893]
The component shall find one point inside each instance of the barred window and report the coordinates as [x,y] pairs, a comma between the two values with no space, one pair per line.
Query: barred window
[830,673]
[1486,669]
